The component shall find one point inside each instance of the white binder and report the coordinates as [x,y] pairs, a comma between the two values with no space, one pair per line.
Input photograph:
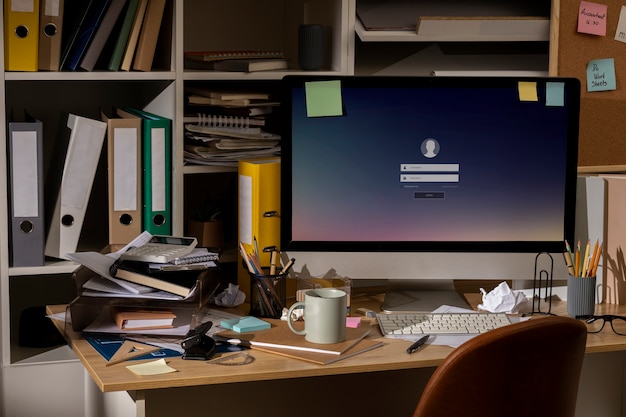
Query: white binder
[79,170]
[26,193]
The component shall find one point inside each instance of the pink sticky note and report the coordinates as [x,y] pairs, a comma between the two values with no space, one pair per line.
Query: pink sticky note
[592,18]
[353,322]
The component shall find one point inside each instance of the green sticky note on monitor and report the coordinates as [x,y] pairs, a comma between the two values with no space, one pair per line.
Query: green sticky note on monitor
[323,98]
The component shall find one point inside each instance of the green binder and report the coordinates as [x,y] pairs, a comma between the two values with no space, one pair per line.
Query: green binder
[120,45]
[157,171]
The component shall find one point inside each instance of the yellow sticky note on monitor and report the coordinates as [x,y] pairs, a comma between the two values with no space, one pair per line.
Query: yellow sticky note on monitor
[323,98]
[527,91]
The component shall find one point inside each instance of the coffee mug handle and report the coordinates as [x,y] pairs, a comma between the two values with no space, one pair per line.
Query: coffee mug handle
[294,305]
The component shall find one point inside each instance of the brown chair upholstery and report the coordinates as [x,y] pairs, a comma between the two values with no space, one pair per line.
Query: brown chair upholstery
[528,369]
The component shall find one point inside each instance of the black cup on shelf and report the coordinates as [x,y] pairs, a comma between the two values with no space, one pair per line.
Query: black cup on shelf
[311,47]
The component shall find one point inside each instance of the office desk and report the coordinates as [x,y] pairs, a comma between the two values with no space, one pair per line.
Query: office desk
[388,382]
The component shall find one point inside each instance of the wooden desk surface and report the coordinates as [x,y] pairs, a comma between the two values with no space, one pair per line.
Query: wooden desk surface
[391,356]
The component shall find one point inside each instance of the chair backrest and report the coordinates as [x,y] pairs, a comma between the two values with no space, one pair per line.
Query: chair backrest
[525,369]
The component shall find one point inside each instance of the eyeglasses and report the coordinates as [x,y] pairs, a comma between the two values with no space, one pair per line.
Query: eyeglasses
[595,324]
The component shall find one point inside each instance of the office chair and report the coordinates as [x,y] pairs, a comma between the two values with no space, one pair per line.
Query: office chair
[528,369]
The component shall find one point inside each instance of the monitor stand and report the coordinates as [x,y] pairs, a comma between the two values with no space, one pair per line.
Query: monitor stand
[421,296]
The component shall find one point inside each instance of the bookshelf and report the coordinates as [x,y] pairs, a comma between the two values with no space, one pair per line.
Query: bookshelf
[204,25]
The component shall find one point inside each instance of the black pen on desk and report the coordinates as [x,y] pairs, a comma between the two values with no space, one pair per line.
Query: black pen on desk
[415,346]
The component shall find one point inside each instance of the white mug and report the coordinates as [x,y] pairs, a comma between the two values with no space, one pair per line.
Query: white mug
[324,315]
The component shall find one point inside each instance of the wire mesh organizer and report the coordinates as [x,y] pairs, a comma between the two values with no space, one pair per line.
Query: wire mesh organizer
[267,294]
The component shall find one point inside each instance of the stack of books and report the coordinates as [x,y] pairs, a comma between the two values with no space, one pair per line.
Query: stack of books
[228,126]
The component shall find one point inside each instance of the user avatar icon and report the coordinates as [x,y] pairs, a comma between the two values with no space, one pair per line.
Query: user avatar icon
[430,148]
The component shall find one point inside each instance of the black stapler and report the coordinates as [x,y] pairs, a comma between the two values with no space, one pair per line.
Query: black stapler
[197,344]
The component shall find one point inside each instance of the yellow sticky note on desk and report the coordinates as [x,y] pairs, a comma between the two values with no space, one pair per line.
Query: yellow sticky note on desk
[323,98]
[157,367]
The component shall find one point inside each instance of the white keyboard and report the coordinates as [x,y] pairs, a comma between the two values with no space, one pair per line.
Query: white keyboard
[440,323]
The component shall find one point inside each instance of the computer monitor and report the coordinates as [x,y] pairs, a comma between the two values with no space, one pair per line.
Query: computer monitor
[422,179]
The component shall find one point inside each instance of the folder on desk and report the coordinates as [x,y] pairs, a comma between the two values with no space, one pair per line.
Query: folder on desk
[146,45]
[26,193]
[124,177]
[259,206]
[156,153]
[102,34]
[21,37]
[79,169]
[50,34]
[84,32]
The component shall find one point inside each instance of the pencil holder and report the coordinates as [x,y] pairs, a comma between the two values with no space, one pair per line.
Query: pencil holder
[267,294]
[581,296]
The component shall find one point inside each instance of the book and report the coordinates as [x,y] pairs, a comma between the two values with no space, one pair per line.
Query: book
[250,65]
[198,255]
[142,319]
[208,56]
[280,340]
[227,95]
[207,118]
[195,99]
[182,283]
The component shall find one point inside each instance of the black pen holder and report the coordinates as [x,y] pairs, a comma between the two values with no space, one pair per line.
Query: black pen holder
[267,294]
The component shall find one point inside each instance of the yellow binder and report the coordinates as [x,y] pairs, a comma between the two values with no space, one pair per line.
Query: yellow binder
[21,35]
[259,209]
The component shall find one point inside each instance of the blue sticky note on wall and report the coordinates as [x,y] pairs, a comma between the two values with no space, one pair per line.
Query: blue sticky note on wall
[601,75]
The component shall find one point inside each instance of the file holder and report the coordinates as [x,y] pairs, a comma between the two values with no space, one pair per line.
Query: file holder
[541,277]
[84,309]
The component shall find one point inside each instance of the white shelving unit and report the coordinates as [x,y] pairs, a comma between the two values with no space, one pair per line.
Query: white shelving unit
[197,25]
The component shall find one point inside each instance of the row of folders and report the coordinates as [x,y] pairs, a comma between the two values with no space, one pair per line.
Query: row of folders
[138,146]
[86,35]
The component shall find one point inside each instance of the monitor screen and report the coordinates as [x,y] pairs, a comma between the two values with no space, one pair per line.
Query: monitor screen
[455,169]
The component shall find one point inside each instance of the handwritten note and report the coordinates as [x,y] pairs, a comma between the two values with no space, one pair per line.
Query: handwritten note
[592,18]
[601,75]
[620,31]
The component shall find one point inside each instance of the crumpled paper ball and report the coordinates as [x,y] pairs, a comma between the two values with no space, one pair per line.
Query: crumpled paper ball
[230,297]
[503,300]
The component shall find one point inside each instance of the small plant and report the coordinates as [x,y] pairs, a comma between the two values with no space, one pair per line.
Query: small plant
[207,211]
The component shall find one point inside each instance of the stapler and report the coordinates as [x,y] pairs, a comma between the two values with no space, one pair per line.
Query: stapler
[197,344]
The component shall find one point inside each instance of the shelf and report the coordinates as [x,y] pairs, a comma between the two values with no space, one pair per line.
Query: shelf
[89,76]
[51,267]
[463,30]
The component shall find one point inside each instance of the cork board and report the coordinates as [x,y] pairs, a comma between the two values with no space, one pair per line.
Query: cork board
[602,144]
